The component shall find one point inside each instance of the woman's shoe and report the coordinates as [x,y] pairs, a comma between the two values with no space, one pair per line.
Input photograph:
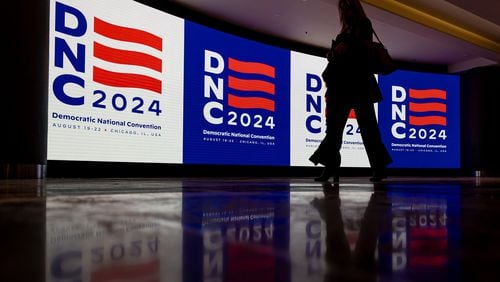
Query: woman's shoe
[378,175]
[336,178]
[377,178]
[326,174]
[322,178]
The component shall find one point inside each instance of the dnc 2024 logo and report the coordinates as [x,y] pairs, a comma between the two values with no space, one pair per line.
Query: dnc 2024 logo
[250,86]
[414,110]
[111,63]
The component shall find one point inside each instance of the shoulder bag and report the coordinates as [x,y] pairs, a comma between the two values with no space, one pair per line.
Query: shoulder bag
[380,61]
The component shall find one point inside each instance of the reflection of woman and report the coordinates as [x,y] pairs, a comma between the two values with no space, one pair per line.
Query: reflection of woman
[344,265]
[351,86]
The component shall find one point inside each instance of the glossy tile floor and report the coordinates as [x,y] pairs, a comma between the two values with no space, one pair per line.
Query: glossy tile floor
[250,229]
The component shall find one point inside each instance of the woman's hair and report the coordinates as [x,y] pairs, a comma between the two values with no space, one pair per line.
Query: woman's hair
[350,12]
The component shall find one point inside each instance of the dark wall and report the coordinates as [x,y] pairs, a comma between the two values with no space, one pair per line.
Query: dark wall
[480,100]
[23,101]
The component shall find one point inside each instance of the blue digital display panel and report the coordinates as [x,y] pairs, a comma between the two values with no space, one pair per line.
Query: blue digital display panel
[419,119]
[236,100]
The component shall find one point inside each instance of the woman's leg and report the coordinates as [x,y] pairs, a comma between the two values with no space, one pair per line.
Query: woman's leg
[329,149]
[377,153]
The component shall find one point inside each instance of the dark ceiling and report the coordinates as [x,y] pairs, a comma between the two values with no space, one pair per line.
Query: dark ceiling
[456,34]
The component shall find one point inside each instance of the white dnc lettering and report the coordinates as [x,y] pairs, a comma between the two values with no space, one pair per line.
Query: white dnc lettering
[398,112]
[214,65]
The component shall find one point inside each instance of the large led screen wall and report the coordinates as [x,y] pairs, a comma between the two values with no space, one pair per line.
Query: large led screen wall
[128,83]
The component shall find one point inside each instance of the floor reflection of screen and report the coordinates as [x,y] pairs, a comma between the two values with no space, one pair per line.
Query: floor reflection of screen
[236,236]
[423,230]
[113,238]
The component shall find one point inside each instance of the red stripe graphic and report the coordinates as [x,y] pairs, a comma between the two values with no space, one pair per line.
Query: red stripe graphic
[251,67]
[250,85]
[148,271]
[428,93]
[428,260]
[429,244]
[128,80]
[427,107]
[126,57]
[352,114]
[428,120]
[250,103]
[127,34]
[429,233]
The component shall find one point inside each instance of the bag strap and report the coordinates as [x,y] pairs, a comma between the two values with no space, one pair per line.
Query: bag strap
[378,39]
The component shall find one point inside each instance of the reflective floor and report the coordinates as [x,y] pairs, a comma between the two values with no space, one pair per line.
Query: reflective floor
[250,229]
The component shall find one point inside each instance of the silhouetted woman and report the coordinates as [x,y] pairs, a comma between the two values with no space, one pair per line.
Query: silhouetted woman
[351,85]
